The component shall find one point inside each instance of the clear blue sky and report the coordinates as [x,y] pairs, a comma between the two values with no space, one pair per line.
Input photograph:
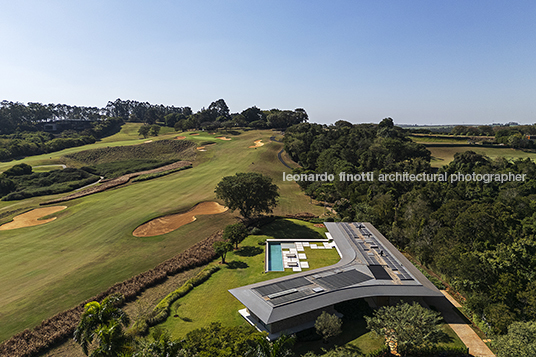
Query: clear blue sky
[418,62]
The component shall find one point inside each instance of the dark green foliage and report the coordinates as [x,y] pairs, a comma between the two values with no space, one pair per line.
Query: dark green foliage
[44,183]
[328,325]
[144,130]
[479,237]
[282,347]
[235,233]
[222,248]
[161,311]
[520,341]
[218,341]
[104,323]
[18,170]
[251,193]
[407,327]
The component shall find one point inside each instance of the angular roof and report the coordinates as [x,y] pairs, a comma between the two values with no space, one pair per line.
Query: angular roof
[370,266]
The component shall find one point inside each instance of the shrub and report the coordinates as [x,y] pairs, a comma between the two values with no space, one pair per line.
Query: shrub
[161,311]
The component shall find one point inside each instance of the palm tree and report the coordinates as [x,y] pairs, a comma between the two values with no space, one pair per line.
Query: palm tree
[104,321]
[279,348]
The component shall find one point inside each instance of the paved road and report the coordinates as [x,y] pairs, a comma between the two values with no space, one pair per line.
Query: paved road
[279,154]
[476,346]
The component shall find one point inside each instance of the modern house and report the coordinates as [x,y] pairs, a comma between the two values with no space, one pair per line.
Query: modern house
[370,267]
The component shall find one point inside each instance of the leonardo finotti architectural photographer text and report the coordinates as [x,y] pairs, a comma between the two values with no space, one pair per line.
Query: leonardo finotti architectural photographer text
[407,177]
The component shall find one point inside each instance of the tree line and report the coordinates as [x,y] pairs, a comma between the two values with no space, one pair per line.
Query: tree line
[480,237]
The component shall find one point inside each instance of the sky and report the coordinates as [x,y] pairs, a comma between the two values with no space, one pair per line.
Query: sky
[418,62]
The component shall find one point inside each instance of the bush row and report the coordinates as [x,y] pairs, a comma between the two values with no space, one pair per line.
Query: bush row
[60,327]
[159,174]
[161,311]
[50,190]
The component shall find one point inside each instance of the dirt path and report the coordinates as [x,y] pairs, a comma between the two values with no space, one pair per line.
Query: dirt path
[30,219]
[469,337]
[116,182]
[166,224]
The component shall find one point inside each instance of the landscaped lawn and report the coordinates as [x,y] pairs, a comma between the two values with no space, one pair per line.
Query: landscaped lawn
[211,301]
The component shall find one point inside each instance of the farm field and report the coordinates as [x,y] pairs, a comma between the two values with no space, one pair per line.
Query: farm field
[46,269]
[444,155]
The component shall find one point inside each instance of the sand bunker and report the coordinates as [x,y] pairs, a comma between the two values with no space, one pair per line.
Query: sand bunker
[180,137]
[31,218]
[201,148]
[166,224]
[222,138]
[148,141]
[257,144]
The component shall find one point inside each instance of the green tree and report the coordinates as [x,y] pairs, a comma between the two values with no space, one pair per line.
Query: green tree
[103,322]
[328,325]
[407,327]
[520,341]
[235,233]
[144,130]
[251,193]
[222,248]
[155,129]
[161,346]
[282,347]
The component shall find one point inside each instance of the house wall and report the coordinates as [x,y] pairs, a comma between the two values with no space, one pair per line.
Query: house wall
[298,320]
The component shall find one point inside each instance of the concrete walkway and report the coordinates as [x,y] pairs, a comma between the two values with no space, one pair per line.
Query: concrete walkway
[469,337]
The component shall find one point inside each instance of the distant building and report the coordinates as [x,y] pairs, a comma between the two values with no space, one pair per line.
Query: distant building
[370,267]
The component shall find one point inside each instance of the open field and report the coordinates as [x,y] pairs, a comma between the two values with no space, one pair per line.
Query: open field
[444,155]
[446,139]
[48,268]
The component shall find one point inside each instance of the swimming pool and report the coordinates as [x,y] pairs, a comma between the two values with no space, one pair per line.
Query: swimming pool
[275,257]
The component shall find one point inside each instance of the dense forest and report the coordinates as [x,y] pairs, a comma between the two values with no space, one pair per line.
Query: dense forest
[35,128]
[480,237]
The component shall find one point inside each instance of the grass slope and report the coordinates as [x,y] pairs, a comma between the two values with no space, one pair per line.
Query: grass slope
[46,269]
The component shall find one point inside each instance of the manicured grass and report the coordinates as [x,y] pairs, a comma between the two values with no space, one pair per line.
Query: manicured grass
[46,269]
[211,302]
[444,155]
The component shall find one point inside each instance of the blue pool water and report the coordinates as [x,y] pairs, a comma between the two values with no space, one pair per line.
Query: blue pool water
[275,257]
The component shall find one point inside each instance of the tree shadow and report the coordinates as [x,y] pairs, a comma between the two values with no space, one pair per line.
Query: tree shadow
[237,264]
[249,251]
[285,229]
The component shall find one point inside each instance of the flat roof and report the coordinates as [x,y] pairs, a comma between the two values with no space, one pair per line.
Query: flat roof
[370,266]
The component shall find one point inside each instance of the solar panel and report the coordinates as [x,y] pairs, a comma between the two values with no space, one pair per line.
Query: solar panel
[379,272]
[282,286]
[290,297]
[344,279]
